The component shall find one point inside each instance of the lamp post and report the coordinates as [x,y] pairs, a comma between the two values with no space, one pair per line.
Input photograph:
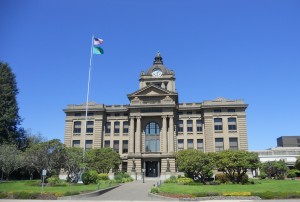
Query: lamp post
[143,170]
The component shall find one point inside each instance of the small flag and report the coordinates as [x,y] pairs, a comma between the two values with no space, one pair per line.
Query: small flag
[97,41]
[98,51]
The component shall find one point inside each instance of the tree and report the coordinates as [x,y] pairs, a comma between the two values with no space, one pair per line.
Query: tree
[195,164]
[10,159]
[73,162]
[297,164]
[235,164]
[48,155]
[102,160]
[276,169]
[9,111]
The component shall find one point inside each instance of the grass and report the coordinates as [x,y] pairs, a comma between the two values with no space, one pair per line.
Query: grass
[259,186]
[23,186]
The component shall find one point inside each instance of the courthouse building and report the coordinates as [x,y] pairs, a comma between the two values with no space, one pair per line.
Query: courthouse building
[153,126]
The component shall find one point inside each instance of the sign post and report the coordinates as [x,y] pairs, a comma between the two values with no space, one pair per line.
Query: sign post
[44,173]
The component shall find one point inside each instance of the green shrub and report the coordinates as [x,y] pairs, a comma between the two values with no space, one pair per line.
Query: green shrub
[3,195]
[263,175]
[184,180]
[103,177]
[276,195]
[90,177]
[70,193]
[245,179]
[154,190]
[221,177]
[55,181]
[123,177]
[25,195]
[291,173]
[172,179]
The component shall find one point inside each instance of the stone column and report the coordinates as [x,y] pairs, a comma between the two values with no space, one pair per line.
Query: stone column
[138,136]
[131,135]
[171,134]
[164,134]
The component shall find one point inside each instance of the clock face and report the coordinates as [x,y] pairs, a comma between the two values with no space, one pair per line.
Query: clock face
[156,72]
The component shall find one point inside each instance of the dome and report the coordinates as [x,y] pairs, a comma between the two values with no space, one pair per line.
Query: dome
[158,64]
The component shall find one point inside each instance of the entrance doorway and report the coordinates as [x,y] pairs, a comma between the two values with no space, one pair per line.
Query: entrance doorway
[152,169]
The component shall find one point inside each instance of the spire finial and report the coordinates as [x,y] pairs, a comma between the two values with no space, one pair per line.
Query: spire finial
[158,59]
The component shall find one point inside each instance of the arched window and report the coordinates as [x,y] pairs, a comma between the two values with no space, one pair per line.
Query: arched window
[152,142]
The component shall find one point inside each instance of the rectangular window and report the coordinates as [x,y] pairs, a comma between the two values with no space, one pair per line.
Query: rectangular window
[125,146]
[76,143]
[77,114]
[180,113]
[90,127]
[219,144]
[106,143]
[189,112]
[233,143]
[117,127]
[198,112]
[116,145]
[180,144]
[190,144]
[117,114]
[199,125]
[190,126]
[125,126]
[107,115]
[88,144]
[77,127]
[231,123]
[218,124]
[231,110]
[217,111]
[90,114]
[107,127]
[200,144]
[180,126]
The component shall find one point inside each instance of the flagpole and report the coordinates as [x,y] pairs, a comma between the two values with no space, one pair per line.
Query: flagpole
[87,97]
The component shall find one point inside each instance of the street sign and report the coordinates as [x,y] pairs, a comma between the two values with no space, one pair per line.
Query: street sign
[44,172]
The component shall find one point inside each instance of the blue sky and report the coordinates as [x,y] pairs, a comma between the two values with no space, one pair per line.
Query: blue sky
[234,49]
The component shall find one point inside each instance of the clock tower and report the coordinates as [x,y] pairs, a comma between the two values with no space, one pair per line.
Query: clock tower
[159,75]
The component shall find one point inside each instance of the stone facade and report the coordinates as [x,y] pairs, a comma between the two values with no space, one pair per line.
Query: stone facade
[153,126]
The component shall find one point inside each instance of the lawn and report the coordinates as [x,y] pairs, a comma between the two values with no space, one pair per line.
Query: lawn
[259,186]
[24,185]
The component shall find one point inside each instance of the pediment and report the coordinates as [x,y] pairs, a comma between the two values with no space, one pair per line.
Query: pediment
[151,90]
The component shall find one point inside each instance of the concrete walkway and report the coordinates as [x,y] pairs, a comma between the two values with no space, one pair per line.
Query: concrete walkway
[133,191]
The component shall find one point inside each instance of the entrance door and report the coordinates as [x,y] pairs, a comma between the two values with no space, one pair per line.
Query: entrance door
[151,168]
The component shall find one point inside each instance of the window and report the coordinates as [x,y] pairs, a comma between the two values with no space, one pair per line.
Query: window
[180,145]
[180,126]
[117,114]
[107,115]
[218,124]
[190,144]
[90,127]
[88,144]
[125,147]
[125,126]
[116,146]
[107,127]
[125,114]
[77,127]
[180,113]
[189,112]
[233,143]
[219,144]
[231,110]
[231,123]
[90,114]
[76,143]
[77,114]
[200,144]
[152,139]
[106,143]
[117,127]
[190,126]
[199,125]
[217,111]
[198,112]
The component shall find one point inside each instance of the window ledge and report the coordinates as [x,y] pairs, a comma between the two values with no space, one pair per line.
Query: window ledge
[77,134]
[233,131]
[218,131]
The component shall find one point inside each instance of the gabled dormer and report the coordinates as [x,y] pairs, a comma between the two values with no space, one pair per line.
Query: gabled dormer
[158,75]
